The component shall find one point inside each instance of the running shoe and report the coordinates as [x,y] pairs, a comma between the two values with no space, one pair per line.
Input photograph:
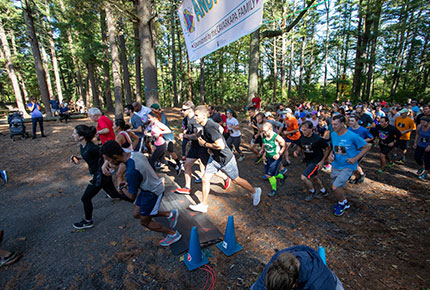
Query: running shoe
[259,159]
[227,183]
[420,171]
[256,196]
[282,181]
[183,190]
[170,239]
[83,224]
[198,180]
[272,193]
[264,177]
[390,164]
[337,205]
[423,176]
[401,160]
[3,174]
[352,181]
[174,218]
[310,196]
[241,158]
[361,178]
[284,171]
[199,207]
[321,194]
[340,209]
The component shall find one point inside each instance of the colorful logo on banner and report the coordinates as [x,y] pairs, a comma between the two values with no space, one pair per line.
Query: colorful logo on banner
[189,20]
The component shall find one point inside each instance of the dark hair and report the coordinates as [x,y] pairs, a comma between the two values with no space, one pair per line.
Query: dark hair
[261,114]
[121,123]
[153,115]
[283,273]
[339,117]
[308,124]
[233,113]
[130,107]
[111,148]
[88,132]
[342,111]
[385,118]
[251,109]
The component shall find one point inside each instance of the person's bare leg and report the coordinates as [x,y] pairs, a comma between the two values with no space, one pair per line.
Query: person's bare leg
[244,183]
[316,181]
[149,223]
[188,166]
[287,146]
[383,161]
[339,193]
[206,187]
[307,182]
[202,167]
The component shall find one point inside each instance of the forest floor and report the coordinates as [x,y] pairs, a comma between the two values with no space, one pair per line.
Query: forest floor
[382,241]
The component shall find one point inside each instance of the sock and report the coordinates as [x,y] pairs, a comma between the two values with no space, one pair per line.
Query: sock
[272,181]
[312,190]
[170,216]
[322,190]
[343,202]
[280,176]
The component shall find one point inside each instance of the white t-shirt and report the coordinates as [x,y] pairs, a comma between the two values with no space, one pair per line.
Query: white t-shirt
[143,113]
[232,123]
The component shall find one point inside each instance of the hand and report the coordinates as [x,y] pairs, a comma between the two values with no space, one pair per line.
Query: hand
[201,141]
[331,157]
[276,157]
[427,149]
[106,169]
[391,144]
[320,165]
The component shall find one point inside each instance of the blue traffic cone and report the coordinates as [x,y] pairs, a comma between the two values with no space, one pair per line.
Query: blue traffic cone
[229,246]
[195,257]
[321,252]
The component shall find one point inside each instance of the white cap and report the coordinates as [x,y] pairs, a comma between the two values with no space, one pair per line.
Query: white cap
[268,114]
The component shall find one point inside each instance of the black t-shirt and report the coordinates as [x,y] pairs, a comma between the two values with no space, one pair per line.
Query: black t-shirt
[253,121]
[91,154]
[313,148]
[193,127]
[418,118]
[365,120]
[216,117]
[211,133]
[388,134]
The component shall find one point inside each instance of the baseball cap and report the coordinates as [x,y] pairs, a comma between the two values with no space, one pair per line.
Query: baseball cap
[287,110]
[302,115]
[268,114]
[404,110]
[155,106]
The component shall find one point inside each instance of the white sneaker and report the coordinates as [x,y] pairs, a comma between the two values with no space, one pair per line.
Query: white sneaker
[241,158]
[256,196]
[199,207]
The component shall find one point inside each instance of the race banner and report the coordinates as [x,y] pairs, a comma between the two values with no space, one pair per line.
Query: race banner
[209,25]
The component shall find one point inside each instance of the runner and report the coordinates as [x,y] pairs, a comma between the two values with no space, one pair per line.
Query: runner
[388,136]
[256,137]
[364,119]
[316,151]
[127,139]
[291,133]
[90,152]
[274,147]
[136,127]
[145,188]
[359,174]
[405,125]
[348,148]
[158,129]
[221,159]
[233,127]
[422,148]
[104,125]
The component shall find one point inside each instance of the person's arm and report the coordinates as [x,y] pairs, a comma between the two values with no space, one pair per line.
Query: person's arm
[120,139]
[134,139]
[282,144]
[363,151]
[103,131]
[164,128]
[217,145]
[327,151]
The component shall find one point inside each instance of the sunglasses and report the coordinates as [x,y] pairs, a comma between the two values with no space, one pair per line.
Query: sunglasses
[184,109]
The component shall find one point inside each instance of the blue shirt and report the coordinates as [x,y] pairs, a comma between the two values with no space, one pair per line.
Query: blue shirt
[362,132]
[35,113]
[54,104]
[423,138]
[141,177]
[346,146]
[313,273]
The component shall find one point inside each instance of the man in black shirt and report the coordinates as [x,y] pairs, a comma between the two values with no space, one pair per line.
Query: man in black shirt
[221,159]
[316,151]
[387,135]
[364,119]
[256,136]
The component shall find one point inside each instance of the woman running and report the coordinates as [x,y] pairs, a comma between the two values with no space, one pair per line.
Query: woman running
[422,148]
[157,131]
[233,127]
[90,152]
[128,140]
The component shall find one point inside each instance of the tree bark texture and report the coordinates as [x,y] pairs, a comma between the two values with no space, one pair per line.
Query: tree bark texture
[254,61]
[106,69]
[173,52]
[137,62]
[202,80]
[124,62]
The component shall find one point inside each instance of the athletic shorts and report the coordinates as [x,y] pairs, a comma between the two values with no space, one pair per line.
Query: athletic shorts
[257,140]
[288,140]
[340,177]
[402,144]
[230,169]
[170,146]
[148,203]
[272,166]
[385,149]
[197,152]
[311,170]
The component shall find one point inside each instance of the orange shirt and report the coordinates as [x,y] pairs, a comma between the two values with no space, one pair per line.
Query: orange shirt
[292,124]
[403,124]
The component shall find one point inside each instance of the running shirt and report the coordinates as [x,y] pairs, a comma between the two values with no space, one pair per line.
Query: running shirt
[253,121]
[392,118]
[168,136]
[193,127]
[157,133]
[292,124]
[403,124]
[127,146]
[141,177]
[313,148]
[105,122]
[424,137]
[344,147]
[136,122]
[388,134]
[362,132]
[256,102]
[211,133]
[35,112]
[271,146]
[232,123]
[91,154]
[365,120]
[321,130]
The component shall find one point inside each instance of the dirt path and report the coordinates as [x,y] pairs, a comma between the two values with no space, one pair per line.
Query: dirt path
[382,242]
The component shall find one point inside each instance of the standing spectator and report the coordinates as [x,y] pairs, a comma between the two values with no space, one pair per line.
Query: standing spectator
[64,112]
[256,101]
[55,107]
[104,125]
[36,116]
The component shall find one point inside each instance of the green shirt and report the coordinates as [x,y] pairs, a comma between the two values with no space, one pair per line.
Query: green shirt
[270,146]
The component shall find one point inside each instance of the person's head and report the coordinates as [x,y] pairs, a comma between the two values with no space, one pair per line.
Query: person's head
[404,113]
[302,116]
[267,130]
[187,108]
[393,110]
[283,273]
[94,114]
[260,117]
[353,121]
[33,99]
[212,110]
[314,115]
[230,113]
[321,121]
[341,111]
[84,132]
[425,122]
[137,106]
[201,115]
[426,110]
[129,110]
[307,128]
[52,98]
[120,125]
[113,153]
[338,123]
[152,117]
[288,112]
[156,108]
[359,111]
[383,121]
[251,111]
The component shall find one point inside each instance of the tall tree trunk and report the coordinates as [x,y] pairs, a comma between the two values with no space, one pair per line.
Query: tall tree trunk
[356,86]
[124,62]
[275,70]
[254,61]
[173,52]
[53,55]
[17,72]
[202,80]
[327,34]
[94,86]
[46,69]
[43,88]
[302,65]
[115,61]
[144,13]
[283,71]
[137,62]
[190,89]
[181,84]
[106,69]
[10,68]
[411,51]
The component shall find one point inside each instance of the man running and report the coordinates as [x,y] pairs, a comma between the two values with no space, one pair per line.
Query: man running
[405,125]
[145,188]
[348,148]
[316,151]
[136,126]
[221,159]
[104,125]
[388,136]
[291,132]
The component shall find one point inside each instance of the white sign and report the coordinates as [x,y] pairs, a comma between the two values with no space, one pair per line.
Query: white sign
[211,24]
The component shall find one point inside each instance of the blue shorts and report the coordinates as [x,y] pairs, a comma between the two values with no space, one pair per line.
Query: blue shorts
[311,170]
[288,140]
[272,166]
[148,203]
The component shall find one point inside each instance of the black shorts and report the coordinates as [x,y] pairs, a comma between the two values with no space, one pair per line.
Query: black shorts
[197,152]
[311,170]
[257,140]
[402,144]
[288,140]
[385,149]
